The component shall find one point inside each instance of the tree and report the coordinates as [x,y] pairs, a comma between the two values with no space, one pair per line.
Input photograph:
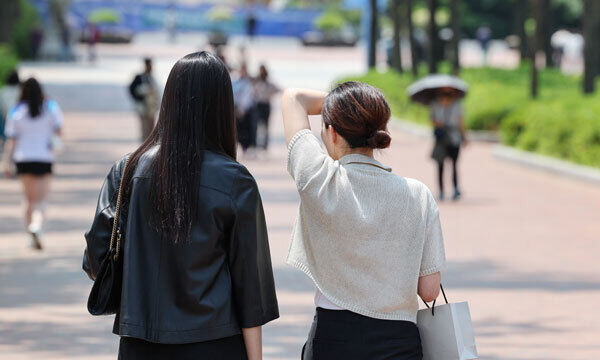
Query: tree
[455,25]
[373,28]
[411,37]
[396,48]
[521,10]
[591,55]
[537,7]
[9,13]
[432,57]
[543,29]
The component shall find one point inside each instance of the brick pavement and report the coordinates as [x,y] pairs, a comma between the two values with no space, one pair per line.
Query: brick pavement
[521,245]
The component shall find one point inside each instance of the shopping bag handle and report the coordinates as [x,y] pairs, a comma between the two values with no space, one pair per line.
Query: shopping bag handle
[432,307]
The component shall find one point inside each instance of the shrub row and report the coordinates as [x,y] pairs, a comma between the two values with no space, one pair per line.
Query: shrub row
[562,123]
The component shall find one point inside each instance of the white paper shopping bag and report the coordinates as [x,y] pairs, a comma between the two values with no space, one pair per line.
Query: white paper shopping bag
[447,332]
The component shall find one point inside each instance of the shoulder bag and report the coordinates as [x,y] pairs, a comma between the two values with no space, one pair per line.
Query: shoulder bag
[105,297]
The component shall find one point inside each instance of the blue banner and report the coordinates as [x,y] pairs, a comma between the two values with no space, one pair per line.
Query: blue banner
[149,16]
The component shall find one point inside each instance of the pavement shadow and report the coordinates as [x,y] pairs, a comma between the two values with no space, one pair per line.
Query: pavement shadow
[62,339]
[489,275]
[56,280]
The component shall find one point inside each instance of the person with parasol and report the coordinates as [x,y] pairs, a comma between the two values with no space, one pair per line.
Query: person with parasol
[443,94]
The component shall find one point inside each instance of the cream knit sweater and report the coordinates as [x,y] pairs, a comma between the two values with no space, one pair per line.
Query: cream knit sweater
[363,234]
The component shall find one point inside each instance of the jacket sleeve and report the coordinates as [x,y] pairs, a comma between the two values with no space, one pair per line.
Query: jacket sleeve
[98,237]
[249,257]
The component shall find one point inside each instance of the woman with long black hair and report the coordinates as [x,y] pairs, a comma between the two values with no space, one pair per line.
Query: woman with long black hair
[197,275]
[31,128]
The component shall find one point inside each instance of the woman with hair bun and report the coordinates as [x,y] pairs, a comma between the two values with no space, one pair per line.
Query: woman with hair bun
[370,240]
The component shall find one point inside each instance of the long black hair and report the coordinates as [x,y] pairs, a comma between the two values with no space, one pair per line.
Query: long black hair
[33,96]
[196,114]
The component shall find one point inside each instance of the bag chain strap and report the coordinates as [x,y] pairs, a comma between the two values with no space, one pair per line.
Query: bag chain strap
[116,232]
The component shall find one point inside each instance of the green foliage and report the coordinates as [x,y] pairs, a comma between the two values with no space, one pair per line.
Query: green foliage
[8,63]
[104,16]
[334,19]
[22,30]
[220,14]
[567,129]
[562,123]
[330,21]
[352,18]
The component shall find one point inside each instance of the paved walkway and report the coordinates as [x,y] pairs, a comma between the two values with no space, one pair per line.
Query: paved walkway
[522,245]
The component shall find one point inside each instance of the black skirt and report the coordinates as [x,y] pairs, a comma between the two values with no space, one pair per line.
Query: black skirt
[341,334]
[229,348]
[34,168]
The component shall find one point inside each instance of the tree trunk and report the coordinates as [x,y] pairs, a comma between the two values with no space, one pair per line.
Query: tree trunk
[455,42]
[9,13]
[396,47]
[414,60]
[536,40]
[547,32]
[534,76]
[520,17]
[372,61]
[591,56]
[432,57]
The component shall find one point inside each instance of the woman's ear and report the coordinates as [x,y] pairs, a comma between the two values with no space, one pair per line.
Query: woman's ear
[334,135]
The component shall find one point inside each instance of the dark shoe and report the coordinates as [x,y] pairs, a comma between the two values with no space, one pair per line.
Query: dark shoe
[440,197]
[456,195]
[35,241]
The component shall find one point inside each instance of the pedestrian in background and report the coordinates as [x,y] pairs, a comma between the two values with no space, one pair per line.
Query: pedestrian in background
[92,36]
[30,130]
[197,275]
[9,96]
[243,93]
[447,116]
[264,90]
[144,91]
[370,240]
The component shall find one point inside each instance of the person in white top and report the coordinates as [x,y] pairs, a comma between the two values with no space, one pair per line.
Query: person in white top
[32,128]
[264,90]
[370,240]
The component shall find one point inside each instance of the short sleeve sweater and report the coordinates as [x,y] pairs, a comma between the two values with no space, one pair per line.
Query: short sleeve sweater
[363,234]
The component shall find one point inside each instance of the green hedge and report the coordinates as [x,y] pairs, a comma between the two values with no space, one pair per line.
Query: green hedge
[562,123]
[8,63]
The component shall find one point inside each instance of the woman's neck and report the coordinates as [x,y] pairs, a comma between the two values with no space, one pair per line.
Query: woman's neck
[360,151]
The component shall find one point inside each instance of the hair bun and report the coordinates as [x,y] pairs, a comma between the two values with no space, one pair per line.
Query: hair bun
[379,140]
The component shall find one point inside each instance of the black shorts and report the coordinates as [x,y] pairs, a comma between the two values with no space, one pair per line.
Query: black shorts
[34,168]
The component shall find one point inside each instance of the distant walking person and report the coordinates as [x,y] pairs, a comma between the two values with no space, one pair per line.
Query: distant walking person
[264,90]
[144,92]
[92,34]
[197,275]
[484,36]
[9,97]
[243,94]
[30,129]
[370,240]
[449,132]
[251,24]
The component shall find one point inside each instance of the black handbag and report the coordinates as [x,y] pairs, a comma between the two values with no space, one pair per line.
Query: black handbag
[105,297]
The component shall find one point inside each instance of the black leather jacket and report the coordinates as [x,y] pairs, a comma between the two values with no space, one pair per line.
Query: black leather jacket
[208,288]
